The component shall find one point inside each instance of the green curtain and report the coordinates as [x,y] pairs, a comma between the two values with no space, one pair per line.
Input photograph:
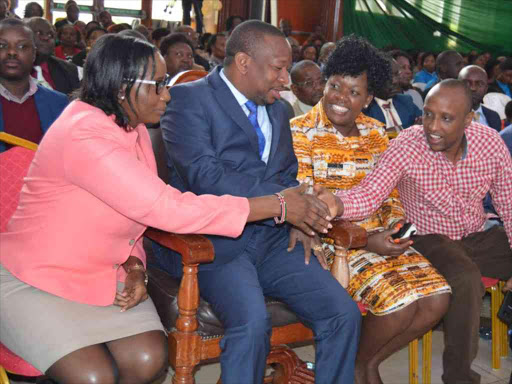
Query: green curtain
[432,25]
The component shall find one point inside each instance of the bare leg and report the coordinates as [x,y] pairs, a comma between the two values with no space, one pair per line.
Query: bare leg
[429,312]
[89,365]
[140,358]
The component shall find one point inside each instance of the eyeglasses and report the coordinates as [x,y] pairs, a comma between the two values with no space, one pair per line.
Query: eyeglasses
[312,83]
[160,85]
[49,35]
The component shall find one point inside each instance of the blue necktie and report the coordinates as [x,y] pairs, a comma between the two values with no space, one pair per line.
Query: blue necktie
[253,118]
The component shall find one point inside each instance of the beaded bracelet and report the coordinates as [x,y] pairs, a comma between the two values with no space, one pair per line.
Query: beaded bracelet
[282,202]
[140,268]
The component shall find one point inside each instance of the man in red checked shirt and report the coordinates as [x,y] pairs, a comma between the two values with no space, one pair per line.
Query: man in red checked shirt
[443,170]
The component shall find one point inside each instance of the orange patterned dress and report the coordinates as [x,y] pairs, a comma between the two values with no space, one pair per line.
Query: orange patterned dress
[384,283]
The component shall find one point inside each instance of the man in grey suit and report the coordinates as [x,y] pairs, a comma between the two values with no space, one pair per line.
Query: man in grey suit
[229,134]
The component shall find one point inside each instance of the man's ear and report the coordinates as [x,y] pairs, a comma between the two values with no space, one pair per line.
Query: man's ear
[242,61]
[293,88]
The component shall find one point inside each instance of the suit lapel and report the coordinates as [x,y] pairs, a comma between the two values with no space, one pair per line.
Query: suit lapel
[275,121]
[229,104]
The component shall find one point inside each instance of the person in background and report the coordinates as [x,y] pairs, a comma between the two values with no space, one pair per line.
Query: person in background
[480,59]
[49,70]
[68,37]
[178,53]
[217,50]
[92,24]
[337,146]
[448,65]
[506,134]
[80,27]
[503,83]
[141,28]
[285,26]
[392,108]
[427,73]
[309,52]
[4,8]
[187,7]
[476,79]
[308,85]
[232,22]
[105,18]
[492,67]
[33,9]
[116,28]
[295,49]
[193,36]
[405,77]
[93,35]
[325,51]
[26,109]
[72,14]
[158,34]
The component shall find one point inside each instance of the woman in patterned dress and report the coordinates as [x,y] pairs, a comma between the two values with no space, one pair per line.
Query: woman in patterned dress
[336,146]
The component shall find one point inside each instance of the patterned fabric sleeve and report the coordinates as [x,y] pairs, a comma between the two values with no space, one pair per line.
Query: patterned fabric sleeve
[391,210]
[302,148]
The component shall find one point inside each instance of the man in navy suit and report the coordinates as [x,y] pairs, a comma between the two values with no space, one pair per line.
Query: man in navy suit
[476,78]
[392,107]
[229,134]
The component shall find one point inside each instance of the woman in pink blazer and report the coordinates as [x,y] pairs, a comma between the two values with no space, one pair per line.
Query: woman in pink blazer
[72,252]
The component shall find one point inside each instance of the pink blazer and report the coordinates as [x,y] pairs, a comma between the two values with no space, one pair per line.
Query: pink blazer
[89,195]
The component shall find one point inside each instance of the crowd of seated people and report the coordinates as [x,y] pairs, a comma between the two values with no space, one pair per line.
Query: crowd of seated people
[344,101]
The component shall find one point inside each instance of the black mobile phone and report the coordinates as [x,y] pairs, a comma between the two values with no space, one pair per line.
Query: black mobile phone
[407,230]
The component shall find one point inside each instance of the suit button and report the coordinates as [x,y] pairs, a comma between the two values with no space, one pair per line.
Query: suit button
[132,242]
[115,266]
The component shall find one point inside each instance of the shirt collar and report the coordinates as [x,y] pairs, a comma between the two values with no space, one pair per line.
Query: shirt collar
[304,107]
[32,89]
[240,98]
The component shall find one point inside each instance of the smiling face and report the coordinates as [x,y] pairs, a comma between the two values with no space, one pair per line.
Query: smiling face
[17,53]
[344,98]
[148,106]
[405,71]
[445,119]
[179,57]
[266,71]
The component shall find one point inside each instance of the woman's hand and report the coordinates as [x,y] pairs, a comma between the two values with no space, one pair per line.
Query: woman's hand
[383,244]
[134,291]
[310,243]
[306,212]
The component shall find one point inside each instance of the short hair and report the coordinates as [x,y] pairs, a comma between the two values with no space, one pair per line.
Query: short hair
[425,55]
[91,23]
[69,3]
[116,28]
[508,110]
[297,68]
[396,53]
[158,33]
[17,23]
[231,20]
[92,30]
[490,65]
[132,33]
[354,56]
[506,65]
[77,32]
[306,46]
[29,6]
[444,57]
[247,37]
[212,41]
[172,39]
[115,61]
[454,84]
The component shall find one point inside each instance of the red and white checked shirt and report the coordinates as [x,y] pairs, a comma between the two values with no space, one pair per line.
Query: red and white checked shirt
[438,196]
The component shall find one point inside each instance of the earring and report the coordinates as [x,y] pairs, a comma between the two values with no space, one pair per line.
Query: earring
[121,98]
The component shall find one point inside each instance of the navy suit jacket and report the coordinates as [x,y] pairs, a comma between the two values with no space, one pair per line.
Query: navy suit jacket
[407,110]
[212,148]
[492,117]
[49,105]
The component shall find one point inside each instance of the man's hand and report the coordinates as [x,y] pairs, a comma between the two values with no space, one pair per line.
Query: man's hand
[134,291]
[310,243]
[333,202]
[383,244]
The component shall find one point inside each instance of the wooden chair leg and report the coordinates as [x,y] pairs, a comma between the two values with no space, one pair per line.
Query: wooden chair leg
[3,376]
[495,328]
[289,368]
[504,329]
[427,357]
[413,362]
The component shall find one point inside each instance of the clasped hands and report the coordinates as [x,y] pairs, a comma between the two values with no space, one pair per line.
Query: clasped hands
[310,215]
[134,292]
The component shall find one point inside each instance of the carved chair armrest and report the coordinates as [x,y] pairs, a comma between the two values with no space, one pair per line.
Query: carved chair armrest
[347,235]
[194,249]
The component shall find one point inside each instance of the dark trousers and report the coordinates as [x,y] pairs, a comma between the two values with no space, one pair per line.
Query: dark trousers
[463,263]
[187,6]
[236,292]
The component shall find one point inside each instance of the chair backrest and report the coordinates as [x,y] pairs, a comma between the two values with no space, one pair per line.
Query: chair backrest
[14,164]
